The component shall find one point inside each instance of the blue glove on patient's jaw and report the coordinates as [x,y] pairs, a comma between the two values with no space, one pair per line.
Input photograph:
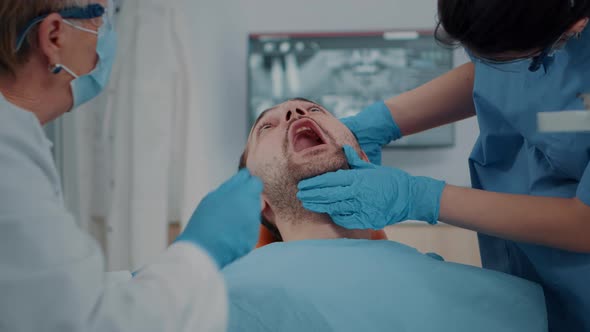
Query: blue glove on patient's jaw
[227,221]
[373,128]
[371,196]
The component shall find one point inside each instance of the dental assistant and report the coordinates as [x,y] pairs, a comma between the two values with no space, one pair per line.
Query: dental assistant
[54,56]
[530,201]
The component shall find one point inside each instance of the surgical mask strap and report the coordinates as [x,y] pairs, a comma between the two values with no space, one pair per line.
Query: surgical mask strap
[80,28]
[57,68]
[550,51]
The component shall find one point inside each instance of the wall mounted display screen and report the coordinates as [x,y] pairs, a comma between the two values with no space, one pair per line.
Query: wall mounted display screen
[345,72]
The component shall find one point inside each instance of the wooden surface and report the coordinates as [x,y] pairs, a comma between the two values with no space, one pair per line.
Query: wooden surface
[452,243]
[174,229]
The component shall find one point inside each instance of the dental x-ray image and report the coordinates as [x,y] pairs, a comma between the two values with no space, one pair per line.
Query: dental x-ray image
[345,72]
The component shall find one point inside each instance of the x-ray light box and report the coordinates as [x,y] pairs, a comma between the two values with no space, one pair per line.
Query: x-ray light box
[346,72]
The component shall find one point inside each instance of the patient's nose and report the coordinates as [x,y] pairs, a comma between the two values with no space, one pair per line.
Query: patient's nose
[290,114]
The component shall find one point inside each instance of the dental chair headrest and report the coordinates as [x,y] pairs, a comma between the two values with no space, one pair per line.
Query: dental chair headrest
[266,237]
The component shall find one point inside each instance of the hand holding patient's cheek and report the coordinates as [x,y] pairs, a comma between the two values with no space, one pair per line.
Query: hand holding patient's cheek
[227,221]
[371,197]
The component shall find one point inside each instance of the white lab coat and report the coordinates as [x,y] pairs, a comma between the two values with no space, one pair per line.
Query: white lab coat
[52,273]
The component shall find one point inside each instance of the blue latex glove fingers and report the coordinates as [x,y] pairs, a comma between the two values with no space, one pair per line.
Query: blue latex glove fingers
[344,213]
[370,196]
[354,160]
[351,221]
[372,149]
[374,152]
[241,177]
[343,208]
[425,207]
[347,214]
[341,178]
[226,222]
[335,186]
[373,127]
[326,195]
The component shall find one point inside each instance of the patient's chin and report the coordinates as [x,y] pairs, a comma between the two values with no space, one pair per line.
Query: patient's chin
[316,164]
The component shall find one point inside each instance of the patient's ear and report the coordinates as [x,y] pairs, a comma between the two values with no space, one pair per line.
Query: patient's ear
[364,157]
[266,209]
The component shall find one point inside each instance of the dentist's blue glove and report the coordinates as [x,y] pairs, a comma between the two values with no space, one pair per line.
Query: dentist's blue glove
[370,196]
[373,128]
[227,221]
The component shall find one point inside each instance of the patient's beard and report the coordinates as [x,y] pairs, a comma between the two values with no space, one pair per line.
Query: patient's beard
[280,182]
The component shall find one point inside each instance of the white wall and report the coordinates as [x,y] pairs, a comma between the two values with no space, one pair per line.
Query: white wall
[219,126]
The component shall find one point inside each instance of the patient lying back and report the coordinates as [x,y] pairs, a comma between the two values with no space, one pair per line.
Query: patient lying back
[325,278]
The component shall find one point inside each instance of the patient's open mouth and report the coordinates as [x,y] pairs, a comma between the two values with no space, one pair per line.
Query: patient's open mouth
[305,134]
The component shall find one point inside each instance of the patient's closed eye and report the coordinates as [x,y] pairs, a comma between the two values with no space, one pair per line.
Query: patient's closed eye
[264,127]
[315,109]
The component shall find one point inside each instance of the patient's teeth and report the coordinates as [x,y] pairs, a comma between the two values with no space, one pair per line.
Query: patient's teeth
[302,129]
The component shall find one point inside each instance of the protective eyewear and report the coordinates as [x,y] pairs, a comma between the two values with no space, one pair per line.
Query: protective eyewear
[98,14]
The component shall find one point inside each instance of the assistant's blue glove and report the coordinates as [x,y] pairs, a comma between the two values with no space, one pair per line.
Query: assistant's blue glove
[373,128]
[371,196]
[227,221]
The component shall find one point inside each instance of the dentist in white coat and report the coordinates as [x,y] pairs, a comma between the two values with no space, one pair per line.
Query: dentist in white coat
[54,56]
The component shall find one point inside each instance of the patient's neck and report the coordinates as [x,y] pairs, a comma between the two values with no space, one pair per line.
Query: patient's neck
[314,226]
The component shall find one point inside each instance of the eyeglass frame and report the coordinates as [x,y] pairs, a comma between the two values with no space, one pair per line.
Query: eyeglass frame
[91,11]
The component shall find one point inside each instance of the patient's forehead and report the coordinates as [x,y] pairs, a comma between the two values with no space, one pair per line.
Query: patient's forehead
[289,104]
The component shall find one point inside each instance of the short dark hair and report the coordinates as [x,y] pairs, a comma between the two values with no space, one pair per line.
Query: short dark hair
[490,27]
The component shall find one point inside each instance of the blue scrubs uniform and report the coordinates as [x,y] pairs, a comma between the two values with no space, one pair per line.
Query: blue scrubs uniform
[511,156]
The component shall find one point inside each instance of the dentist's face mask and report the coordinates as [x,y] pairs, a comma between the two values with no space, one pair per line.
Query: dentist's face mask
[86,87]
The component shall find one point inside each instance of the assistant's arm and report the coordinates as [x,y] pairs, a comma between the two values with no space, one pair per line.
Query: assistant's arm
[444,100]
[555,222]
[371,196]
